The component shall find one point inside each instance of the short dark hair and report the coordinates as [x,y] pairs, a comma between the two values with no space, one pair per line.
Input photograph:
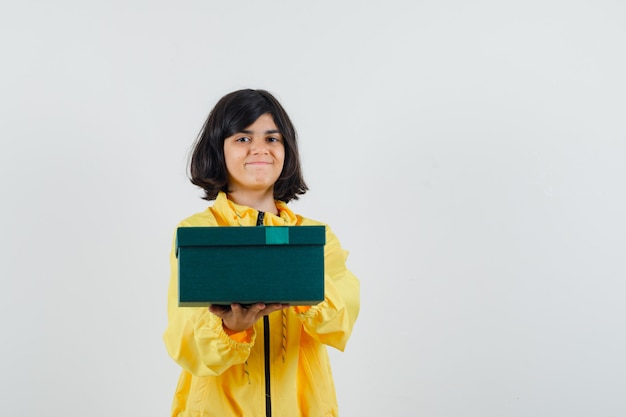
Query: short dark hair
[232,114]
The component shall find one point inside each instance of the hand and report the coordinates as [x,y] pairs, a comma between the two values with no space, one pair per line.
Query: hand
[238,318]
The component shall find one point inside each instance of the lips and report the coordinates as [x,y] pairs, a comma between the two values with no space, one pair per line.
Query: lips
[259,163]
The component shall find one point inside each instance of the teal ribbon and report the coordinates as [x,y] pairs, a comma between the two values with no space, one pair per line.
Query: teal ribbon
[276,235]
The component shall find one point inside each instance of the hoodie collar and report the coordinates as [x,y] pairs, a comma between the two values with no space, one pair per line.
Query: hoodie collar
[229,213]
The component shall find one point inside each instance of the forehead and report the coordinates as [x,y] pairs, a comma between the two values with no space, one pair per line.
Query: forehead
[264,123]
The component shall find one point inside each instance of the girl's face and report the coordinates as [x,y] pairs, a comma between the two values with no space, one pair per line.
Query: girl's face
[254,157]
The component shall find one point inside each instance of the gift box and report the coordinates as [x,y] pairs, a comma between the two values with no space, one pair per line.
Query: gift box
[269,264]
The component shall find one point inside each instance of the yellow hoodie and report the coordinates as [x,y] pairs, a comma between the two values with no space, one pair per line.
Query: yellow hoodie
[224,375]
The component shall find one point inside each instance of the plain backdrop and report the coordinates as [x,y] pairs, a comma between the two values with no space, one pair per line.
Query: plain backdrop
[469,155]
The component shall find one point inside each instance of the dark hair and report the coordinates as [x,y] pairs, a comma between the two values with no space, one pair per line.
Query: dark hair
[232,114]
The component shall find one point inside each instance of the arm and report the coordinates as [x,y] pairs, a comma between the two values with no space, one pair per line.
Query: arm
[331,321]
[196,339]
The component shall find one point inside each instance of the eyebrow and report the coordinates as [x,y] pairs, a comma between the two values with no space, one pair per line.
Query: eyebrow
[267,132]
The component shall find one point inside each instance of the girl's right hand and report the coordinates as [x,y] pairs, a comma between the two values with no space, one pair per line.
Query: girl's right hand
[238,318]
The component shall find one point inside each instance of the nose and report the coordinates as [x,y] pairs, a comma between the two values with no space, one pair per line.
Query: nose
[259,146]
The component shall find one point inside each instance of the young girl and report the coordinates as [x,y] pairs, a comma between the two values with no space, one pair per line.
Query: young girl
[258,360]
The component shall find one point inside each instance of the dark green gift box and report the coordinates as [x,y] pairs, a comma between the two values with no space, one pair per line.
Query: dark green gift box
[269,264]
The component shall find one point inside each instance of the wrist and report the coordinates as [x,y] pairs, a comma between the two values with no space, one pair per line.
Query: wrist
[241,336]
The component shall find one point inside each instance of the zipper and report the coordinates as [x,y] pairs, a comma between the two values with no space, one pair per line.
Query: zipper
[266,345]
[266,349]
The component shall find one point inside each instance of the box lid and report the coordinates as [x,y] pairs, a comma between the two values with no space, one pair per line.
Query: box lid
[249,235]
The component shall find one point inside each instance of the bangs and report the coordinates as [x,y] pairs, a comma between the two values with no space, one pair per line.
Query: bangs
[239,115]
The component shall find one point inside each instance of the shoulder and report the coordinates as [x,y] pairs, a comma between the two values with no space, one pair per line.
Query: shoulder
[203,218]
[305,221]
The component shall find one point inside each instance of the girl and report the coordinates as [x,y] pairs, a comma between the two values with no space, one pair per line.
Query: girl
[258,360]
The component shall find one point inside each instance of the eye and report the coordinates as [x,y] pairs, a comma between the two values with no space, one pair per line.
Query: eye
[273,139]
[242,139]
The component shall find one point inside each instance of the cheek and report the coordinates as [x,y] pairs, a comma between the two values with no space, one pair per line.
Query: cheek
[280,155]
[281,161]
[231,163]
[231,156]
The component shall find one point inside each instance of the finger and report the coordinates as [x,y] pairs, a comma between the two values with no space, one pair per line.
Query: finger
[218,310]
[219,313]
[270,308]
[256,308]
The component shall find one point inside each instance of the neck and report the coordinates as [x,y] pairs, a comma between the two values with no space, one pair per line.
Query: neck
[260,201]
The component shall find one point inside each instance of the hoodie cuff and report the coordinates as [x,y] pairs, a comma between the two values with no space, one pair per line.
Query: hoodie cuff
[244,336]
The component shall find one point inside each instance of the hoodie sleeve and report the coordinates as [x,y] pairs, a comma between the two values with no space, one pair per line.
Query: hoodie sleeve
[331,321]
[195,338]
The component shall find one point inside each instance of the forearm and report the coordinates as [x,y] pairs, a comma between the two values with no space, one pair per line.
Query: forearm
[199,344]
[195,338]
[331,321]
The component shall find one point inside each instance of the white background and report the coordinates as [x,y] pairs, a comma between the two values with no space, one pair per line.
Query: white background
[469,155]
